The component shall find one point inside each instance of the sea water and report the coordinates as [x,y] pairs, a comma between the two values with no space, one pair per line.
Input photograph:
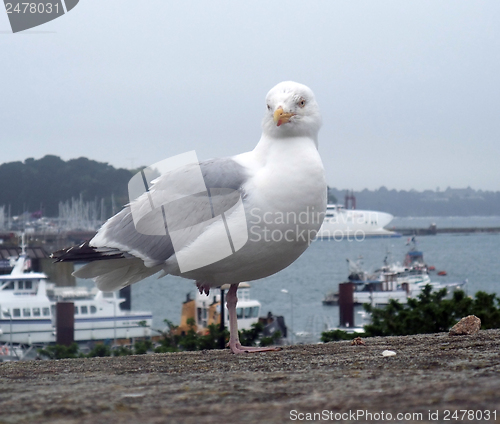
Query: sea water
[323,266]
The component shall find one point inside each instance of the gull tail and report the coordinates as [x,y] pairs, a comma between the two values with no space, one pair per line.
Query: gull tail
[116,274]
[110,268]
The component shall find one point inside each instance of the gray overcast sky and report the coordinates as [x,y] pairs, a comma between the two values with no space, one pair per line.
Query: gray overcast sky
[409,90]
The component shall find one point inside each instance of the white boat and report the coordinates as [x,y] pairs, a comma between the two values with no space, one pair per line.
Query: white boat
[205,310]
[413,275]
[28,310]
[395,281]
[354,224]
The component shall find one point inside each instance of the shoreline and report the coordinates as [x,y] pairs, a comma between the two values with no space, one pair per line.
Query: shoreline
[433,230]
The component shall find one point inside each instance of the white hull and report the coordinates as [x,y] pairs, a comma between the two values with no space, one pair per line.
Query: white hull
[28,311]
[44,330]
[394,282]
[401,295]
[380,298]
[341,223]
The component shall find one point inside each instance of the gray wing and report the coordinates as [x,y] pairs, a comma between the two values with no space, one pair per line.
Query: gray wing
[173,202]
[224,173]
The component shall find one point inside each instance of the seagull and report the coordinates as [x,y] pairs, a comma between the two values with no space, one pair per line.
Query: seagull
[221,221]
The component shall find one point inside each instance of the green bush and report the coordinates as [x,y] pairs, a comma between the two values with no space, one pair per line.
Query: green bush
[169,341]
[250,337]
[100,350]
[432,313]
[270,340]
[122,351]
[337,335]
[60,351]
[142,347]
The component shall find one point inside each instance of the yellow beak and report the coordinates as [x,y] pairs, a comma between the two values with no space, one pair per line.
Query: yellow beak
[280,117]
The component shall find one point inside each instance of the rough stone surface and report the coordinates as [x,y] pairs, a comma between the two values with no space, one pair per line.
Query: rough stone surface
[466,326]
[430,374]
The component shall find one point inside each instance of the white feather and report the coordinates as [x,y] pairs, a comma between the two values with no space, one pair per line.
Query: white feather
[283,174]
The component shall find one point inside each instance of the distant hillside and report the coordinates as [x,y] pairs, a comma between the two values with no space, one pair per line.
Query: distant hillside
[41,184]
[33,185]
[450,202]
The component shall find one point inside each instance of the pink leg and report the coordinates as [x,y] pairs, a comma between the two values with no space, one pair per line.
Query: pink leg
[234,341]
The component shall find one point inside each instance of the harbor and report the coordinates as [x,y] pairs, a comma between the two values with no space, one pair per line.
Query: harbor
[321,268]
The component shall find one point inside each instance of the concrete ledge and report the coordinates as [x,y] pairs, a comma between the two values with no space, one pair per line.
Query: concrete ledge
[429,374]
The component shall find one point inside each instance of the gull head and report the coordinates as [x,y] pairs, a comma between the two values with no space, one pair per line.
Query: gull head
[292,111]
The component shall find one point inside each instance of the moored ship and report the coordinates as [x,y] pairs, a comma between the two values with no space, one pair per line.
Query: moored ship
[28,310]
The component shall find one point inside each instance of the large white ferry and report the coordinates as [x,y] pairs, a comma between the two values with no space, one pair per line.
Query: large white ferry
[28,310]
[354,224]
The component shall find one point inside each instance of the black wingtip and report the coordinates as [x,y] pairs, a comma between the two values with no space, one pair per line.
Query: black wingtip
[86,253]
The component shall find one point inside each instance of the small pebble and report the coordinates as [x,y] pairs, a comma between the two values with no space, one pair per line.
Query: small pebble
[388,353]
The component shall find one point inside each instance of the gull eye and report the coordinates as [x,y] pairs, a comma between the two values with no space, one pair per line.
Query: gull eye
[268,107]
[301,102]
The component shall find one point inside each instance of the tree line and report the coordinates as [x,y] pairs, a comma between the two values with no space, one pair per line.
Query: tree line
[402,203]
[40,184]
